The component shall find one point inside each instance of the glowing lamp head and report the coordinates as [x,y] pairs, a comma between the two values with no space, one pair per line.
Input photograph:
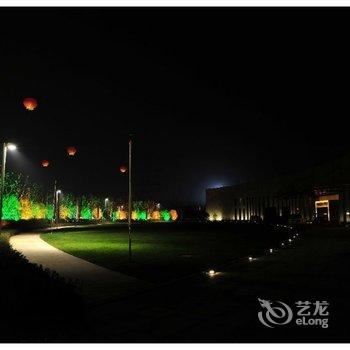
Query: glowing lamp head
[30,103]
[58,191]
[250,258]
[271,250]
[11,147]
[123,169]
[45,163]
[71,150]
[211,273]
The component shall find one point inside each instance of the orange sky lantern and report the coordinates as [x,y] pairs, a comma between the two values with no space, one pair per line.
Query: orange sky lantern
[123,169]
[71,151]
[45,163]
[30,103]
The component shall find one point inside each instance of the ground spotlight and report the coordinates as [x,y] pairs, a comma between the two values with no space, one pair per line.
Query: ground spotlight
[211,273]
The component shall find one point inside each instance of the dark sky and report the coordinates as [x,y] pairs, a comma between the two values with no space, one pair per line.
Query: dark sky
[212,96]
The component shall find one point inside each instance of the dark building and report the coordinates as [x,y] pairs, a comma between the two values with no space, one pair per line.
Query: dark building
[322,193]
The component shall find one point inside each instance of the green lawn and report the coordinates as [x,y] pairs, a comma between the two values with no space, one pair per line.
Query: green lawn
[165,251]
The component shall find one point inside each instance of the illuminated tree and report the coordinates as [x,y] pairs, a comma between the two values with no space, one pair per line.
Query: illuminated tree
[85,209]
[165,215]
[97,213]
[69,203]
[38,210]
[11,208]
[25,208]
[156,215]
[173,214]
[122,215]
[64,212]
[142,215]
[49,211]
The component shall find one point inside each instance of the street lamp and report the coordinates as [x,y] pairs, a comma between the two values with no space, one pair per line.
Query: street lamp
[57,206]
[130,199]
[10,147]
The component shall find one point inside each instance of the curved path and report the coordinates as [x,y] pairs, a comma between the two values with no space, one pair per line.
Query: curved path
[97,283]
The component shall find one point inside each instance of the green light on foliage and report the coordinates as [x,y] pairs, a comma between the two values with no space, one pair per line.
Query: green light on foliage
[11,208]
[142,215]
[86,213]
[72,210]
[165,215]
[49,211]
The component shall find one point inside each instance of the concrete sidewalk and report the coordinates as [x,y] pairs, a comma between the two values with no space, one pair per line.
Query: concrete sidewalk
[98,284]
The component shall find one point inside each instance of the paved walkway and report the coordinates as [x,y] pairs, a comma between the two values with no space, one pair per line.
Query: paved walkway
[98,284]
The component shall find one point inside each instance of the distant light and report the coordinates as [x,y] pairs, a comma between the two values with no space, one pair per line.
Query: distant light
[271,250]
[11,147]
[282,244]
[289,240]
[348,213]
[123,169]
[250,258]
[211,273]
[106,199]
[217,185]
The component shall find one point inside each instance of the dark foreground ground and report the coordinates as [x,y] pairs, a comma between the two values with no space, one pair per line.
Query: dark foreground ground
[223,308]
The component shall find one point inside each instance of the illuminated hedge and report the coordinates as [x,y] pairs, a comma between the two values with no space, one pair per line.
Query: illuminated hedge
[25,200]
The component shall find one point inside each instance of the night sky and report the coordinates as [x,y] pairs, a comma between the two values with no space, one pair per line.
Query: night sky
[212,96]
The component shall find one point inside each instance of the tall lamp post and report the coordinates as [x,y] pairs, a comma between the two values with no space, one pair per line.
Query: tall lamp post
[11,147]
[57,206]
[130,201]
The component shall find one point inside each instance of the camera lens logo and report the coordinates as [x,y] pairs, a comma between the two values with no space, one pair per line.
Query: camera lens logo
[274,313]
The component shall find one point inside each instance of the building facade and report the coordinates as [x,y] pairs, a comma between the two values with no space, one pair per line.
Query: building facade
[322,193]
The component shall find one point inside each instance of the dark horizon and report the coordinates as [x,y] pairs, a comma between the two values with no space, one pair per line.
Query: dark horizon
[212,96]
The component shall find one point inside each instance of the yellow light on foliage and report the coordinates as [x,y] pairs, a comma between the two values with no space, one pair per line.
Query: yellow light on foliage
[64,212]
[156,215]
[26,208]
[97,213]
[122,215]
[173,214]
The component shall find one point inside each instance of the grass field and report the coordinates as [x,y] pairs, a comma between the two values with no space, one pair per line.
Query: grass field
[166,251]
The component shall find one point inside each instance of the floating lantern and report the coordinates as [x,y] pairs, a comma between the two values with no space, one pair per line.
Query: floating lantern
[30,103]
[123,169]
[45,163]
[71,151]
